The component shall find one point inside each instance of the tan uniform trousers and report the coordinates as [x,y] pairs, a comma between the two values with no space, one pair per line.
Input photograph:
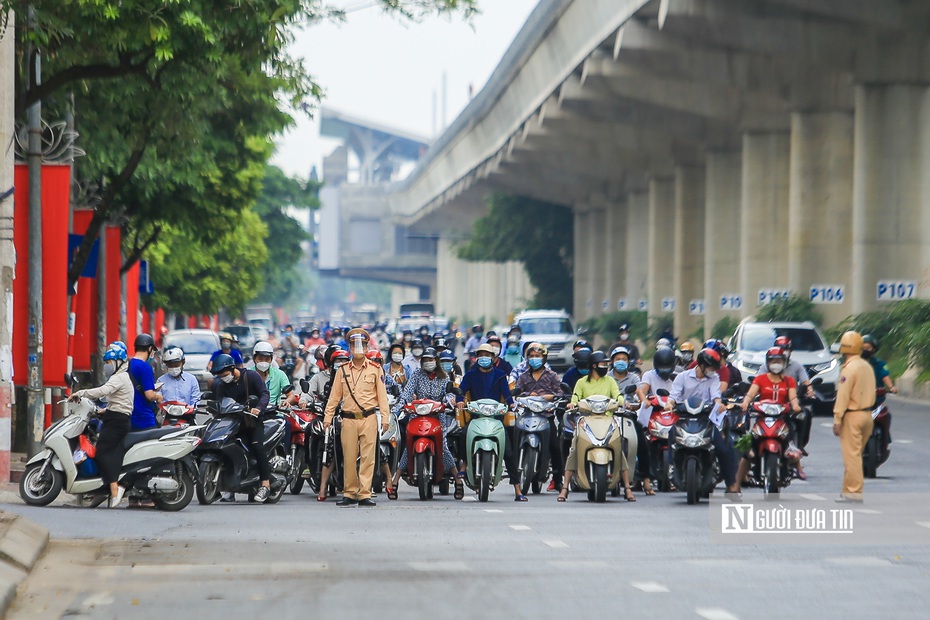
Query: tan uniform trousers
[854,433]
[358,437]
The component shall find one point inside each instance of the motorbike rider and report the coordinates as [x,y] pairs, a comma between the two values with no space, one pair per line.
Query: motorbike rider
[274,378]
[119,393]
[406,339]
[513,353]
[500,363]
[226,348]
[450,367]
[475,340]
[624,341]
[539,380]
[395,368]
[442,345]
[620,371]
[412,361]
[582,366]
[145,403]
[882,376]
[794,369]
[314,340]
[320,386]
[597,383]
[852,413]
[239,384]
[523,366]
[430,382]
[685,356]
[662,373]
[703,382]
[177,385]
[776,386]
[483,380]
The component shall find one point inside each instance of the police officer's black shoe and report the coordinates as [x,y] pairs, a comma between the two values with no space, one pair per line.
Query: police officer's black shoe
[367,503]
[345,502]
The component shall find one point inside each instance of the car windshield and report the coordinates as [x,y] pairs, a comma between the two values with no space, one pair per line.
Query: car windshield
[760,338]
[239,331]
[192,344]
[531,327]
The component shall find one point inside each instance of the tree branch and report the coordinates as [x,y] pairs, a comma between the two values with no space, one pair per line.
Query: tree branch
[138,250]
[86,72]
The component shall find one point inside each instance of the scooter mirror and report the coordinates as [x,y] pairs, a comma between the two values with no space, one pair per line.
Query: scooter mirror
[304,385]
[817,381]
[395,390]
[253,400]
[630,389]
[451,389]
[565,388]
[662,392]
[208,395]
[728,394]
[516,392]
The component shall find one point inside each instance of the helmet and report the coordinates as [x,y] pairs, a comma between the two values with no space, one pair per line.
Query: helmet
[872,340]
[581,344]
[221,363]
[664,362]
[339,355]
[623,328]
[439,341]
[686,346]
[174,354]
[536,347]
[143,341]
[446,356]
[330,351]
[263,348]
[782,341]
[428,352]
[851,343]
[663,342]
[375,356]
[116,351]
[416,342]
[620,350]
[708,357]
[582,357]
[775,352]
[223,336]
[596,357]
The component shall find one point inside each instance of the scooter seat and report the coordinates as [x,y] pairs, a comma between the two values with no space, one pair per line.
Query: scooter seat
[151,433]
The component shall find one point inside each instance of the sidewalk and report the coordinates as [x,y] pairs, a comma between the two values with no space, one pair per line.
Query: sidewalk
[22,542]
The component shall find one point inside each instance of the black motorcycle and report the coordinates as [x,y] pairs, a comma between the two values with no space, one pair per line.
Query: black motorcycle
[694,461]
[535,422]
[225,463]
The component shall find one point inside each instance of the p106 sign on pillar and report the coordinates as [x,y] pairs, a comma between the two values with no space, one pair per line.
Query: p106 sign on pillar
[828,293]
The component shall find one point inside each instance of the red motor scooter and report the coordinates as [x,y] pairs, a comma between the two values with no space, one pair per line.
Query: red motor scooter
[176,413]
[660,423]
[424,446]
[770,431]
[300,421]
[878,447]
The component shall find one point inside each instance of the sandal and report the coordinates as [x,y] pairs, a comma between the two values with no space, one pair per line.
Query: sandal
[801,474]
[459,489]
[520,498]
[649,490]
[321,498]
[392,493]
[563,495]
[628,496]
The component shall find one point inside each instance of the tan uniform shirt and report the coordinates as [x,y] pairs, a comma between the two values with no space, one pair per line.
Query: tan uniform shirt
[856,389]
[366,385]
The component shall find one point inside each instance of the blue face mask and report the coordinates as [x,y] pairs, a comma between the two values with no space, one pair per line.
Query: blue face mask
[621,366]
[583,371]
[485,361]
[446,366]
[511,349]
[535,363]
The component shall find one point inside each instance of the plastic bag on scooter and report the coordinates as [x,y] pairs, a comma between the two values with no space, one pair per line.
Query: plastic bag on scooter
[88,469]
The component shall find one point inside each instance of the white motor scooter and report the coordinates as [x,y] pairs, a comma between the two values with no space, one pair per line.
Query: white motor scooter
[158,464]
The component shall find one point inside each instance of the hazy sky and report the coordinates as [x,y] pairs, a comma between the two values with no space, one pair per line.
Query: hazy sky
[384,69]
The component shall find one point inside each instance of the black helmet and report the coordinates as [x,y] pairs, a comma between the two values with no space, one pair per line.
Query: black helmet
[143,341]
[664,362]
[428,352]
[221,363]
[872,340]
[582,357]
[328,356]
[596,357]
[581,344]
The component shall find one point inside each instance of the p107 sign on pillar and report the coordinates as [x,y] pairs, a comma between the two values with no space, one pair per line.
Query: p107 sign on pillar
[895,290]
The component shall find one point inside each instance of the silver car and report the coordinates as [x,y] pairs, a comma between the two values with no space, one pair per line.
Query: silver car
[553,328]
[808,347]
[198,345]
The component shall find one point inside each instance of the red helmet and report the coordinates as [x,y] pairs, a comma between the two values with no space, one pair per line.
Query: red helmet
[709,357]
[375,356]
[782,341]
[775,352]
[339,355]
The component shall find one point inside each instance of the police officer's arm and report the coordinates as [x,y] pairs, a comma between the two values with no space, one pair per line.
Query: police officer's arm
[843,391]
[335,397]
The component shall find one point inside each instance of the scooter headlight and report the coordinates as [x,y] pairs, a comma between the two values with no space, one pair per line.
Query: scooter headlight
[771,410]
[536,406]
[598,406]
[692,440]
[423,408]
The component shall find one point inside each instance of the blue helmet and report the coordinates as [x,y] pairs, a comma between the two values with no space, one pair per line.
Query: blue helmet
[116,351]
[446,355]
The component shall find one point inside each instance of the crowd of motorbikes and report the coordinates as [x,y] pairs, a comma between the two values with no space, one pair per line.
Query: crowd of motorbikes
[198,452]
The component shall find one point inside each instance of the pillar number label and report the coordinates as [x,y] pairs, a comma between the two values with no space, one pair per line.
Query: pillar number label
[828,293]
[668,304]
[731,301]
[696,307]
[643,305]
[768,295]
[894,290]
[605,305]
[622,304]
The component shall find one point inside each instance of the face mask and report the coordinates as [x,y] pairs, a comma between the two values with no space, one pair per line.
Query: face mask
[407,337]
[228,378]
[446,366]
[535,363]
[624,335]
[108,370]
[417,352]
[513,348]
[865,354]
[621,366]
[397,358]
[710,374]
[600,370]
[263,366]
[497,349]
[314,336]
[429,366]
[583,371]
[512,339]
[226,346]
[174,372]
[485,361]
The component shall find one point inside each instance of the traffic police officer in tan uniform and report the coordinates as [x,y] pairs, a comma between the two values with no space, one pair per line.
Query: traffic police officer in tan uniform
[359,387]
[852,413]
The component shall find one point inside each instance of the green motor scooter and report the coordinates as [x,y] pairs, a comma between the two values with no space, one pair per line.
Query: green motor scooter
[484,446]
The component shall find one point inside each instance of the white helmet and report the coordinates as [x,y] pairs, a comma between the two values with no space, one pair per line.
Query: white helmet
[174,354]
[262,348]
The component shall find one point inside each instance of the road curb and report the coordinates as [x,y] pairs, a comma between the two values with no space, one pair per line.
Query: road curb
[22,543]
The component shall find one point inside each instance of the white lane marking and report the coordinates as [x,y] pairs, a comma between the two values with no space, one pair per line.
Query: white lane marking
[579,565]
[555,544]
[826,424]
[813,496]
[714,613]
[469,499]
[493,510]
[521,528]
[905,441]
[651,587]
[428,567]
[866,561]
[212,570]
[867,511]
[925,524]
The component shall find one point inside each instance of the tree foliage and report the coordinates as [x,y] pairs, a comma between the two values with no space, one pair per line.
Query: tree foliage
[794,308]
[535,233]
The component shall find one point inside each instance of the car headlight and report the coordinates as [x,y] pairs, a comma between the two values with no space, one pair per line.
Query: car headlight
[833,363]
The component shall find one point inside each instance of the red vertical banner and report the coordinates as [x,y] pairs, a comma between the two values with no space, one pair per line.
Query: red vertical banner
[55,195]
[159,324]
[85,323]
[132,304]
[114,260]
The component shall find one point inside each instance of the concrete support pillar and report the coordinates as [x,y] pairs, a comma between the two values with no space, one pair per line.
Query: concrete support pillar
[820,210]
[891,189]
[637,249]
[764,219]
[722,206]
[616,230]
[660,282]
[582,269]
[688,268]
[597,238]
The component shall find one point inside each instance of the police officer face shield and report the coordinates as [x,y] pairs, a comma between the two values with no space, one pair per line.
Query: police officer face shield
[358,346]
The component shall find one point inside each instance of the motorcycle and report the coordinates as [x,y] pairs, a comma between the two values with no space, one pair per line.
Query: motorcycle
[323,448]
[534,423]
[599,445]
[425,433]
[694,466]
[158,463]
[661,421]
[878,447]
[300,421]
[387,447]
[769,428]
[485,440]
[175,413]
[225,463]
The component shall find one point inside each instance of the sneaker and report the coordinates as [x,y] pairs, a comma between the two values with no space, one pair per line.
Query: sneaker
[262,494]
[551,486]
[228,498]
[115,500]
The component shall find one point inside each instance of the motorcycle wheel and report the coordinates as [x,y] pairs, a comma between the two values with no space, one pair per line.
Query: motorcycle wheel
[770,467]
[600,484]
[591,495]
[297,484]
[528,468]
[484,485]
[444,487]
[208,491]
[536,487]
[692,483]
[275,496]
[870,457]
[424,484]
[182,498]
[37,491]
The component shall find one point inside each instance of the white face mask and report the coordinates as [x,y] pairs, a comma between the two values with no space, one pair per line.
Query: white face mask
[397,358]
[710,374]
[429,366]
[228,378]
[497,349]
[777,368]
[263,366]
[417,352]
[174,372]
